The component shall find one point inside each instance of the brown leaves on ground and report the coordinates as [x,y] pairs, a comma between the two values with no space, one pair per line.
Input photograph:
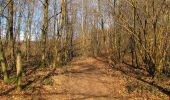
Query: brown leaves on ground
[90,79]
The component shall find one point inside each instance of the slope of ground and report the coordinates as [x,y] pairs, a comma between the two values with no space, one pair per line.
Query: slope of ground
[92,79]
[85,79]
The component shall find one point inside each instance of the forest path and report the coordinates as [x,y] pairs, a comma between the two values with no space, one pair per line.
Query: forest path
[88,78]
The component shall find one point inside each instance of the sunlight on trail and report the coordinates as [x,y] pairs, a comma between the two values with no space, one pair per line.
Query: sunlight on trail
[89,79]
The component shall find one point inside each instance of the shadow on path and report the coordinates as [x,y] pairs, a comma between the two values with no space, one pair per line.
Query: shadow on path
[136,73]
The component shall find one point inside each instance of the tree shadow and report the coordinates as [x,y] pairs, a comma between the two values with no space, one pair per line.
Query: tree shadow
[53,72]
[84,96]
[29,71]
[136,73]
[29,82]
[7,91]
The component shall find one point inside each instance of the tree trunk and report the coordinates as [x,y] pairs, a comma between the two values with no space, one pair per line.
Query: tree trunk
[19,69]
[44,31]
[18,58]
[10,28]
[3,63]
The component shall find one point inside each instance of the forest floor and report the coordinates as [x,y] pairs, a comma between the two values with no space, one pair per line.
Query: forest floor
[88,78]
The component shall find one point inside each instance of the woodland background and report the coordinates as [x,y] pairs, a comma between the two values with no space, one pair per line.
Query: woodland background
[50,33]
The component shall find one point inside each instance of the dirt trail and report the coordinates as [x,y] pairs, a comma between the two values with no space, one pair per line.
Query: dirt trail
[87,78]
[90,79]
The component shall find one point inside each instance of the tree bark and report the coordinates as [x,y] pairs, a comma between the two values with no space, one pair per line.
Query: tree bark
[10,28]
[45,31]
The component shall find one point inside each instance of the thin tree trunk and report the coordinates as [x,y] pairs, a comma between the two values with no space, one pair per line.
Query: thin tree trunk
[44,31]
[19,69]
[135,50]
[18,58]
[3,60]
[10,28]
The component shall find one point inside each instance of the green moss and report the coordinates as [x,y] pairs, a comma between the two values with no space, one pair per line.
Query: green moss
[29,87]
[48,81]
[131,87]
[12,79]
[19,84]
[136,86]
[6,80]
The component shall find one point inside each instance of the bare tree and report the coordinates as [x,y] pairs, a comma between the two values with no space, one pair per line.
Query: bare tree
[10,27]
[45,30]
